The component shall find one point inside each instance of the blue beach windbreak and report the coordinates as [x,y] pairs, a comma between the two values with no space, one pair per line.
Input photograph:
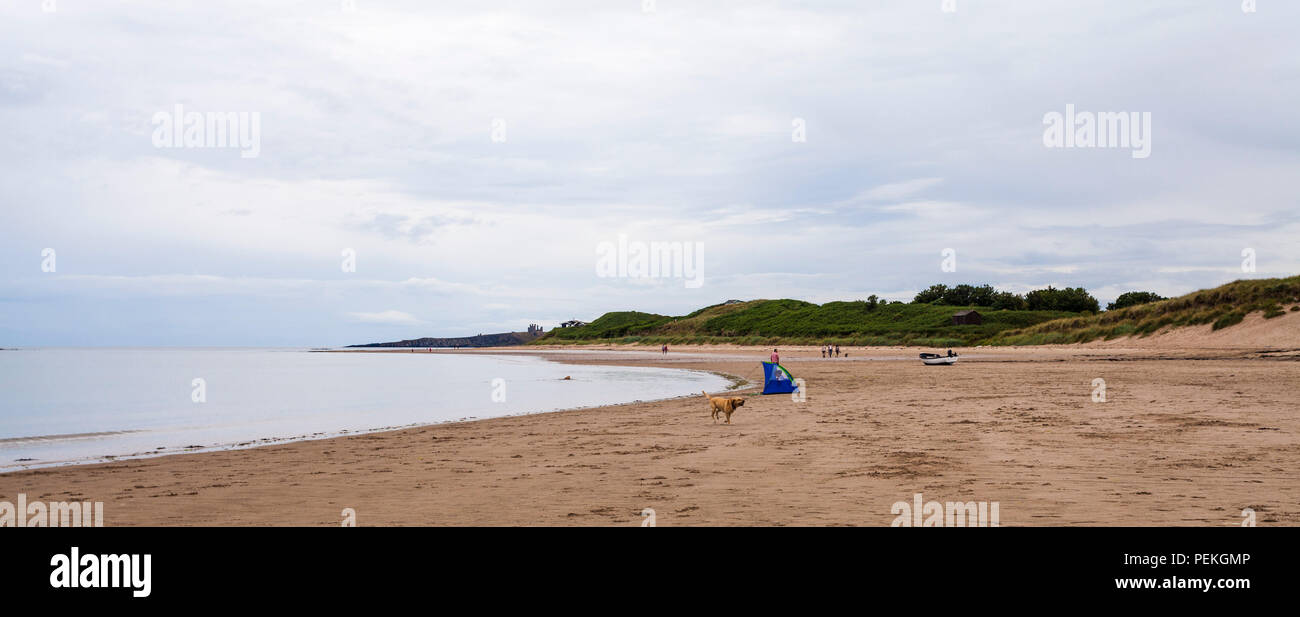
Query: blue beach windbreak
[777,380]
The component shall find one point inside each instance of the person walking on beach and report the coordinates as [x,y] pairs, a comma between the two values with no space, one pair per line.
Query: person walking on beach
[837,351]
[823,352]
[776,359]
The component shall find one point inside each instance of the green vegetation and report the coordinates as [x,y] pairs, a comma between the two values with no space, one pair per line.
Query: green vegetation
[764,322]
[1134,298]
[1068,299]
[1222,307]
[1071,299]
[613,325]
[1231,319]
[1036,318]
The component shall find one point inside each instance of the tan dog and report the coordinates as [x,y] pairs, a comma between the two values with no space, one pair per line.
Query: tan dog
[725,406]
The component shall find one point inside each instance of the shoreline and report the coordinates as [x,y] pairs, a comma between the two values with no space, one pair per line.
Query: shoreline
[735,384]
[1176,444]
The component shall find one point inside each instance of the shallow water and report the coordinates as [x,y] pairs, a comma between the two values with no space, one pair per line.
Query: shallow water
[86,405]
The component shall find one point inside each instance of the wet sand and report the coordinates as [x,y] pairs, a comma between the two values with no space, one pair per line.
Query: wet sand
[1186,437]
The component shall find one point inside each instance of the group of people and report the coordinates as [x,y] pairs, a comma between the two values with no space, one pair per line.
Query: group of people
[828,351]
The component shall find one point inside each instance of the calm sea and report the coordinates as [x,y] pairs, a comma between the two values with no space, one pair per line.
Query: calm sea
[85,405]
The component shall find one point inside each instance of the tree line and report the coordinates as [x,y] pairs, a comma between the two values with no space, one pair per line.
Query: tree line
[1073,299]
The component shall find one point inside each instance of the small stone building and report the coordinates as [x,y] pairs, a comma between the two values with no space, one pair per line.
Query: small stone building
[961,318]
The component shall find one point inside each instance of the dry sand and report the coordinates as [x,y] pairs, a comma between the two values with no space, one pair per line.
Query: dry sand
[1253,333]
[1186,437]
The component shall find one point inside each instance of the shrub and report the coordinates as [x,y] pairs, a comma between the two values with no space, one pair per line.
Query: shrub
[1073,299]
[1134,298]
[1231,319]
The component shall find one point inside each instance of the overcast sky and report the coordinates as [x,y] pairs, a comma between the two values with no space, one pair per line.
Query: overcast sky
[924,130]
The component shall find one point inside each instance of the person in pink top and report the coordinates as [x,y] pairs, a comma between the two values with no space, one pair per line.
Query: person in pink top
[775,358]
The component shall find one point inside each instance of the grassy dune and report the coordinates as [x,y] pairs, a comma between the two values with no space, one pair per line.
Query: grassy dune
[1223,307]
[794,322]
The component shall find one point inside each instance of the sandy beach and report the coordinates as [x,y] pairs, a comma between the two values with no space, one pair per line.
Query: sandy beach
[1186,436]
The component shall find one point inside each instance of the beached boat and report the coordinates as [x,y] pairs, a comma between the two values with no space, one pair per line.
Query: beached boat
[935,359]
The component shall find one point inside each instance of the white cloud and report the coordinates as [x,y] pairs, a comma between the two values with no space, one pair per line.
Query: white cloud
[923,133]
[896,191]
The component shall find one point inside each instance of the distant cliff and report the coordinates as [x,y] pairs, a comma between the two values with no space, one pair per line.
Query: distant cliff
[482,340]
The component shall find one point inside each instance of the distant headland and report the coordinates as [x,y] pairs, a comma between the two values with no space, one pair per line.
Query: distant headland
[500,339]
